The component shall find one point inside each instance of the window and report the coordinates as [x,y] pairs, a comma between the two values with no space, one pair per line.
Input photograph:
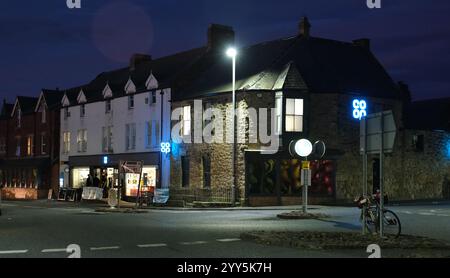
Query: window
[152,134]
[184,171]
[30,146]
[278,113]
[107,139]
[43,115]
[107,106]
[66,142]
[82,110]
[66,113]
[130,135]
[3,145]
[153,97]
[18,146]
[19,117]
[131,102]
[186,121]
[82,140]
[43,144]
[294,115]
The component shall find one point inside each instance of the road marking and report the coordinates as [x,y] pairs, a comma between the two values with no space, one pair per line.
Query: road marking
[193,242]
[152,245]
[13,252]
[54,250]
[104,248]
[228,239]
[426,213]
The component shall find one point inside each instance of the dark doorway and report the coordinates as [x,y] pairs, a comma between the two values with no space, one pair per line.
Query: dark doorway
[206,171]
[376,174]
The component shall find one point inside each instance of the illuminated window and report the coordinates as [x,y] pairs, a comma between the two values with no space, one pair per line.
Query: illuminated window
[294,115]
[66,142]
[30,145]
[186,121]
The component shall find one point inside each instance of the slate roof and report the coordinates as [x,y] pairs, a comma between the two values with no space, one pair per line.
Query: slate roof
[53,98]
[320,65]
[431,114]
[27,104]
[6,110]
[314,64]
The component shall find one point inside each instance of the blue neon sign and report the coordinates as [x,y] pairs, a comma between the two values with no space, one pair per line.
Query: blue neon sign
[105,160]
[165,147]
[359,109]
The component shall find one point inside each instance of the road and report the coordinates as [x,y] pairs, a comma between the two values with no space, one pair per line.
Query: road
[44,229]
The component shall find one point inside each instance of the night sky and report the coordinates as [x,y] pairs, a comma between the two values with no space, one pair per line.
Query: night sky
[43,44]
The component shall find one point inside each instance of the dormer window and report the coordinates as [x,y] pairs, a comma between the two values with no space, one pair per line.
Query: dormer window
[130,88]
[82,111]
[131,102]
[43,115]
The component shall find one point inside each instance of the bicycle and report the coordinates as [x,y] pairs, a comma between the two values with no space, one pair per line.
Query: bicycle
[370,207]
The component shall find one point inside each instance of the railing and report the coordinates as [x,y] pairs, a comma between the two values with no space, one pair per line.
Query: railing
[190,195]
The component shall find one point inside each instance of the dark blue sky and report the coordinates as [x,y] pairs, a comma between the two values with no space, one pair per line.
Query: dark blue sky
[43,44]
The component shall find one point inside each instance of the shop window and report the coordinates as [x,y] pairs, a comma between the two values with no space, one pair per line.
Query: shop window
[184,171]
[261,176]
[294,115]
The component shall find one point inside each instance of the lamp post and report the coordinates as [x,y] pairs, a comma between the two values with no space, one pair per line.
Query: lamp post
[232,53]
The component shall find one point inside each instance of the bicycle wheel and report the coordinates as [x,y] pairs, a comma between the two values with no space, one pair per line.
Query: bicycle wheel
[392,225]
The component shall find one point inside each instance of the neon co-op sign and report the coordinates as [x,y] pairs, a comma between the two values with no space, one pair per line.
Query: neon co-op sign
[359,108]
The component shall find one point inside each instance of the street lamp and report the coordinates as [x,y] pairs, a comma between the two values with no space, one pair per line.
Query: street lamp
[232,53]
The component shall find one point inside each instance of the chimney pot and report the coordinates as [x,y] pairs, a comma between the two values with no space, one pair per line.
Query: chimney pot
[137,59]
[304,27]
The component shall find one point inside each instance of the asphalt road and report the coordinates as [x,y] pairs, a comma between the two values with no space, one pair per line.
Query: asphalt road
[45,229]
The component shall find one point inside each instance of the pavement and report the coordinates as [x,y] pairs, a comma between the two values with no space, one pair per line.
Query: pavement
[45,229]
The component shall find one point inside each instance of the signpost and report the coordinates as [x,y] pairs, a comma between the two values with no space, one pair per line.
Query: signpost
[377,136]
[304,148]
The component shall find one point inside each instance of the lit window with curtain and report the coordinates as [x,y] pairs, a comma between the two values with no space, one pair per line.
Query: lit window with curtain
[294,115]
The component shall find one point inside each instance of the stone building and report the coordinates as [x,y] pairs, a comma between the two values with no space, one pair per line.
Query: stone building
[311,83]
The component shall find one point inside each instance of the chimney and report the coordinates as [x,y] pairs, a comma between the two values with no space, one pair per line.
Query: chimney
[220,37]
[304,27]
[137,59]
[404,91]
[364,43]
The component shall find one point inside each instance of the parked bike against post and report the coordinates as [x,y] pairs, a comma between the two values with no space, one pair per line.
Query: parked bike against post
[370,208]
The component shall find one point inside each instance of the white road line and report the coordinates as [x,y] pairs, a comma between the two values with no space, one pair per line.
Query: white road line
[104,248]
[152,245]
[193,242]
[54,250]
[13,252]
[228,239]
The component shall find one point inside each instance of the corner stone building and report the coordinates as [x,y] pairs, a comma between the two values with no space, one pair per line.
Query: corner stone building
[311,83]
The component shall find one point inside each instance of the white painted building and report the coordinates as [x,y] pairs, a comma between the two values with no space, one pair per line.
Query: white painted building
[116,117]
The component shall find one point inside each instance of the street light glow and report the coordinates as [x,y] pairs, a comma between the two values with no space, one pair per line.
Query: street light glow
[303,147]
[231,52]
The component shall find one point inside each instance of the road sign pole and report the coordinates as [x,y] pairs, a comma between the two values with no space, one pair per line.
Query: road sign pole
[364,228]
[381,177]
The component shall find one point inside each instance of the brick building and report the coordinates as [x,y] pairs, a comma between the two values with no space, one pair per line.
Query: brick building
[29,167]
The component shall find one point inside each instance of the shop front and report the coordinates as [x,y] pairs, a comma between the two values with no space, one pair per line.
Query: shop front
[104,172]
[276,180]
[25,179]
